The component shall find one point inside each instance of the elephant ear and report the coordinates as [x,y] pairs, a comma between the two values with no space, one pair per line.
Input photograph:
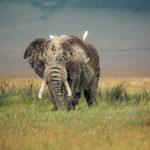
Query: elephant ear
[34,46]
[33,54]
[78,55]
[76,48]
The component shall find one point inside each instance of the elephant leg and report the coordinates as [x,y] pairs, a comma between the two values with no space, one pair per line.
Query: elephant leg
[74,101]
[71,105]
[77,97]
[91,92]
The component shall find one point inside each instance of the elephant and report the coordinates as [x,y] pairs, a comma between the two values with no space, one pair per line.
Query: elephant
[66,62]
[40,93]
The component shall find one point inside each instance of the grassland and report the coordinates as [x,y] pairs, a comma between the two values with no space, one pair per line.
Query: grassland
[121,120]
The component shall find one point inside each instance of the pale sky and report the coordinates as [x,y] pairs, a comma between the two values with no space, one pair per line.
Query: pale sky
[113,25]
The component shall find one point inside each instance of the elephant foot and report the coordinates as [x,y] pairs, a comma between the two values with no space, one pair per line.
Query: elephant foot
[71,105]
[92,103]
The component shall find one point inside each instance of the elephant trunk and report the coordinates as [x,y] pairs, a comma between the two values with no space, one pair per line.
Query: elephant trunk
[54,81]
[55,89]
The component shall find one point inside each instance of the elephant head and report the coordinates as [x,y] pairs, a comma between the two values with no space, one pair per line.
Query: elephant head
[57,54]
[49,59]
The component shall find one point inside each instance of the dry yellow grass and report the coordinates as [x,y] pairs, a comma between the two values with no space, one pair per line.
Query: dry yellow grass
[130,83]
[121,139]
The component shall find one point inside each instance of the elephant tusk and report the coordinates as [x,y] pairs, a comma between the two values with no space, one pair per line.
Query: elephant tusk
[69,93]
[41,89]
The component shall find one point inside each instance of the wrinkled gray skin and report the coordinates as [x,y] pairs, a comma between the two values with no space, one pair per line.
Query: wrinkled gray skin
[66,59]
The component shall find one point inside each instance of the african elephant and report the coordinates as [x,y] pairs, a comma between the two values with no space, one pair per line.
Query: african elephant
[66,59]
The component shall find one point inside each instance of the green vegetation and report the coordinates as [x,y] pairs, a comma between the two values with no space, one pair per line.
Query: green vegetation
[121,120]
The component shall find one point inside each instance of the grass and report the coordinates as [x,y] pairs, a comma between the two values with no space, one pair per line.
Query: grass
[121,120]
